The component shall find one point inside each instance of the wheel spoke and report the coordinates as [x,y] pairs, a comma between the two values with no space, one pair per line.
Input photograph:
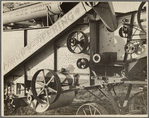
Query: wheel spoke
[94,111]
[82,60]
[139,101]
[52,89]
[50,80]
[40,91]
[90,110]
[137,105]
[47,96]
[44,77]
[74,47]
[40,83]
[36,104]
[77,35]
[143,98]
[82,66]
[84,111]
[79,47]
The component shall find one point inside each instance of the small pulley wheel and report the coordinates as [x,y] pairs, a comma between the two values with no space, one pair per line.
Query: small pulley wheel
[96,58]
[46,86]
[141,21]
[91,109]
[140,49]
[130,48]
[125,31]
[77,42]
[82,63]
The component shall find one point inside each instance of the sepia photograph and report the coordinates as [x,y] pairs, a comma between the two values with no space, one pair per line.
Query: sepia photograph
[80,58]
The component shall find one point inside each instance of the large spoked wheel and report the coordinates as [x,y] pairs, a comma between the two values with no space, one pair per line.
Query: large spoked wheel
[91,109]
[138,103]
[46,87]
[77,42]
[141,21]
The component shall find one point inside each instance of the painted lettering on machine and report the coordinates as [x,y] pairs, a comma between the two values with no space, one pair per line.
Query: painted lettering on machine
[69,18]
[24,11]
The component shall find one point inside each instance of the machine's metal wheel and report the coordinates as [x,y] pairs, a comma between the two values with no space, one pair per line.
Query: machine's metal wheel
[140,49]
[77,42]
[125,31]
[91,109]
[46,86]
[130,48]
[82,63]
[96,58]
[140,21]
[138,103]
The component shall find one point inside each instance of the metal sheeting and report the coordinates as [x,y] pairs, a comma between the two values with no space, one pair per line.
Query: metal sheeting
[65,99]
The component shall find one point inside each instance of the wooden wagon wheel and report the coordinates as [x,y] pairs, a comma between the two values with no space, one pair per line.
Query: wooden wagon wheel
[91,109]
[138,103]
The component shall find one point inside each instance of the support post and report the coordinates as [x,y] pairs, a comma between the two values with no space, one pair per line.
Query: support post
[55,56]
[25,38]
[114,103]
[127,95]
[24,67]
[94,46]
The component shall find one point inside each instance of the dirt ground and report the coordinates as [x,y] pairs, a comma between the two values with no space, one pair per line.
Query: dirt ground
[82,97]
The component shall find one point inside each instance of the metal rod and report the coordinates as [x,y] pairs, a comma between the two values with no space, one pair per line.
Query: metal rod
[93,94]
[128,92]
[47,18]
[114,104]
[114,91]
[104,94]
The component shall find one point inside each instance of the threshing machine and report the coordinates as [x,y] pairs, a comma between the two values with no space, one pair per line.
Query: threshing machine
[51,50]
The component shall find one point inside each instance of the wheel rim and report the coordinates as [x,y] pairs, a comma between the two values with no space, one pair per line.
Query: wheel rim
[140,21]
[82,63]
[46,86]
[125,32]
[77,42]
[130,48]
[88,109]
[138,103]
